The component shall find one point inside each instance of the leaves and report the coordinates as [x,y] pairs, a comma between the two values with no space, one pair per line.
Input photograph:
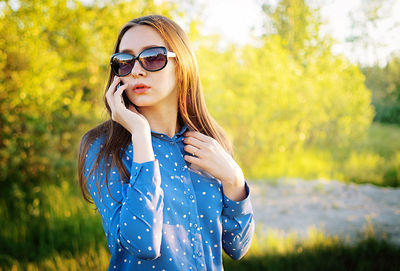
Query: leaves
[285,96]
[53,60]
[275,99]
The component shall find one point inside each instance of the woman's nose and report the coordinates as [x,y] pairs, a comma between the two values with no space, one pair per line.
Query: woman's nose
[138,70]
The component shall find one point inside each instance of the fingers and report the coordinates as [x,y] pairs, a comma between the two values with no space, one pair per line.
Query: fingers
[193,141]
[194,160]
[119,91]
[193,150]
[199,136]
[112,86]
[114,96]
[199,144]
[110,91]
[118,99]
[115,82]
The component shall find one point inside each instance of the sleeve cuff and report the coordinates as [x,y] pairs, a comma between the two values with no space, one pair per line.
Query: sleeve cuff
[234,208]
[145,168]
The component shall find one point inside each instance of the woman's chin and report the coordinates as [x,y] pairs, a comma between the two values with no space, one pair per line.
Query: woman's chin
[140,104]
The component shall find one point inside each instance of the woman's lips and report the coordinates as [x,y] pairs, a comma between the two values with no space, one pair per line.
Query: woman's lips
[140,88]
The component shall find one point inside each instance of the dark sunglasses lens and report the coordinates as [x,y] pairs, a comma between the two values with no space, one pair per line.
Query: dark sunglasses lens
[122,64]
[153,59]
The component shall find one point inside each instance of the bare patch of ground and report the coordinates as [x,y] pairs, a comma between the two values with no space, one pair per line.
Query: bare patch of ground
[336,208]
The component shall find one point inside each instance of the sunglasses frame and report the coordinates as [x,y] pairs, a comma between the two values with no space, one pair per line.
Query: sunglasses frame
[166,53]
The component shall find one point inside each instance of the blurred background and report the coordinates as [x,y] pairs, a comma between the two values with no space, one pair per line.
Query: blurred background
[305,89]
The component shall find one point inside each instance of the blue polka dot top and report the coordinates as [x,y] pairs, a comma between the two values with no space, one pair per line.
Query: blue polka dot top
[168,216]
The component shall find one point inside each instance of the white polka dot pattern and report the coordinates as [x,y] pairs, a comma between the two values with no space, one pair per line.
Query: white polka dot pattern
[167,216]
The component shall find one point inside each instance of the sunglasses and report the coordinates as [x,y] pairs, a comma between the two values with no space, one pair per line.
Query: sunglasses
[151,59]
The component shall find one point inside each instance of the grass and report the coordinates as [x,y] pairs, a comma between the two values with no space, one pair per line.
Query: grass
[382,139]
[275,251]
[369,254]
[269,251]
[57,221]
[375,159]
[91,259]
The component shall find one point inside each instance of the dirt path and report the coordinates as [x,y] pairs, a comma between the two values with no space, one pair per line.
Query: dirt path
[334,207]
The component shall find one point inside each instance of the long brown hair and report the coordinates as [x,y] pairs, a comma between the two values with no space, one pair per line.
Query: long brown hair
[192,107]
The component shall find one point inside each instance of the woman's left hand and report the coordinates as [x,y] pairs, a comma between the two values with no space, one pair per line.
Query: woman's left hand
[210,156]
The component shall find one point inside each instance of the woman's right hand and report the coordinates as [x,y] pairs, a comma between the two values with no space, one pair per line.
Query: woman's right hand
[129,117]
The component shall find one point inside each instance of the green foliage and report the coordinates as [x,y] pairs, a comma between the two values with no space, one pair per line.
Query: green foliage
[53,61]
[51,223]
[41,108]
[366,255]
[274,107]
[291,107]
[385,85]
[375,159]
[49,226]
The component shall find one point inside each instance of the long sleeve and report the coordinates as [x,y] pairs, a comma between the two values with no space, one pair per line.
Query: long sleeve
[132,213]
[238,225]
[166,216]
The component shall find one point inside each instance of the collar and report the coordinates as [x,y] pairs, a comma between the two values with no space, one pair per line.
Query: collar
[178,136]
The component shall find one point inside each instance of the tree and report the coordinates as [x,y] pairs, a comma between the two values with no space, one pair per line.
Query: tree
[285,96]
[54,60]
[385,85]
[298,26]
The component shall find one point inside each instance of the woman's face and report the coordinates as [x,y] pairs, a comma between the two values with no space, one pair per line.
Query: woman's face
[162,89]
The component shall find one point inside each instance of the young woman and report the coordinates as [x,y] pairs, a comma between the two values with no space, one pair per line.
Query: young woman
[160,171]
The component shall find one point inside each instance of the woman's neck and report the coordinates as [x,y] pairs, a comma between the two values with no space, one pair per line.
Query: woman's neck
[162,120]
